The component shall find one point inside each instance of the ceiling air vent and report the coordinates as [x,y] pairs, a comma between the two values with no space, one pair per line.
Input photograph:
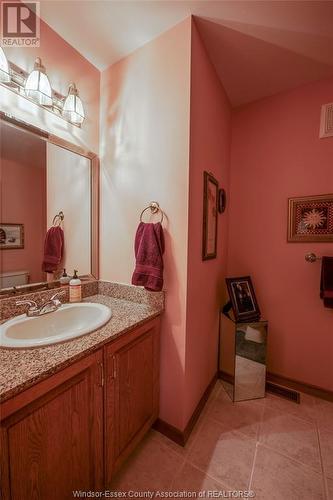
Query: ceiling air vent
[326,122]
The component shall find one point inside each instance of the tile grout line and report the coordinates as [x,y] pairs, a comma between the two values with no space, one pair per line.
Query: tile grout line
[256,447]
[326,491]
[325,483]
[253,437]
[290,414]
[320,451]
[224,485]
[312,422]
[253,467]
[273,397]
[260,426]
[233,431]
[172,482]
[292,459]
[240,434]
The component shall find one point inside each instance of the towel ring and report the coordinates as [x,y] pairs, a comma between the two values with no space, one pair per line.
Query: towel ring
[154,208]
[58,218]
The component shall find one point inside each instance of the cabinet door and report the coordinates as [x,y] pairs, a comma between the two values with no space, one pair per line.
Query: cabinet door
[132,392]
[53,445]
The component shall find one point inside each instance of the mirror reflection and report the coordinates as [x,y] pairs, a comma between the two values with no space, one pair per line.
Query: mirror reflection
[38,181]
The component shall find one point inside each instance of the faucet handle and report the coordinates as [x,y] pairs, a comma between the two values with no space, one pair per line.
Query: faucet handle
[55,298]
[58,294]
[31,303]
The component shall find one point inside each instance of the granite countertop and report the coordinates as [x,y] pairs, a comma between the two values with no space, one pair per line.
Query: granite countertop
[21,368]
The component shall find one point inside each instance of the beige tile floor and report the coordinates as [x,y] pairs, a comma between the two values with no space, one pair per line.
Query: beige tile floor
[278,449]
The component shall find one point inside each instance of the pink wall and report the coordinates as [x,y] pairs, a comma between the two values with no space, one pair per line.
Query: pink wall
[276,154]
[23,193]
[145,106]
[63,65]
[156,140]
[209,150]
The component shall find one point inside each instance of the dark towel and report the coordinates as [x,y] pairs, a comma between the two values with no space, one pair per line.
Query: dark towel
[53,249]
[326,282]
[149,249]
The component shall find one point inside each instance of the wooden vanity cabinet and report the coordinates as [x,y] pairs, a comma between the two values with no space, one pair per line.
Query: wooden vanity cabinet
[131,392]
[73,430]
[52,435]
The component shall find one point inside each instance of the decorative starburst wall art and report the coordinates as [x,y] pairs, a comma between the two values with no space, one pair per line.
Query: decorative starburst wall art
[311,218]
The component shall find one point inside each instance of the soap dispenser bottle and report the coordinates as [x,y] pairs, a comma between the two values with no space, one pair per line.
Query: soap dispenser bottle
[64,279]
[75,288]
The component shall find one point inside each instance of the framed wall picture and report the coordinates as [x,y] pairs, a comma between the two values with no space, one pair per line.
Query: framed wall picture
[243,300]
[210,208]
[310,218]
[11,236]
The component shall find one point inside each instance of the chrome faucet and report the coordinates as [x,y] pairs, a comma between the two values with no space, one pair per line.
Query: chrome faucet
[33,308]
[50,306]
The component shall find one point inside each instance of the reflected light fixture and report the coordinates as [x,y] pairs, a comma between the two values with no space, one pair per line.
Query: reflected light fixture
[37,86]
[4,67]
[73,108]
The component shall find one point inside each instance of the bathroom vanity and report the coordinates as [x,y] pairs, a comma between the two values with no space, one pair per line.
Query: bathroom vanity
[70,412]
[76,410]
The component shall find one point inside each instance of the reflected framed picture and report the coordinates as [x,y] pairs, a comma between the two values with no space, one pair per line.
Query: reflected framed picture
[243,299]
[210,209]
[11,236]
[310,218]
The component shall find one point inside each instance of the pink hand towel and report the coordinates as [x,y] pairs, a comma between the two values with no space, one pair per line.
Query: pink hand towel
[53,249]
[149,249]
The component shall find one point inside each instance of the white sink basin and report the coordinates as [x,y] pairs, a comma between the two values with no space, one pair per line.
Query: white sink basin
[68,322]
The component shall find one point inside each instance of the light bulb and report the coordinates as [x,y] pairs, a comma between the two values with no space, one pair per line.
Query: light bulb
[73,108]
[37,86]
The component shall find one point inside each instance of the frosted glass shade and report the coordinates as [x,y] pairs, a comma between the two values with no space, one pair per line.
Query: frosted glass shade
[73,108]
[4,68]
[37,86]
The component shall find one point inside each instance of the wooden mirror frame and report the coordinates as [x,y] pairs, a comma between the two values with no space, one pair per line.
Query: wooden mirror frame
[94,160]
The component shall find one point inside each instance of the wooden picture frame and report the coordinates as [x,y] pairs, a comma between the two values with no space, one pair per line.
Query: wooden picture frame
[11,236]
[310,218]
[210,214]
[243,299]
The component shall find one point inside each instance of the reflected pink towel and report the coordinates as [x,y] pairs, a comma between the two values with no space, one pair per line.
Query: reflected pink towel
[53,249]
[326,282]
[149,249]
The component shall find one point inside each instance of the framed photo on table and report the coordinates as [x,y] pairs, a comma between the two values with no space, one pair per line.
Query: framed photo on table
[243,300]
[310,218]
[210,214]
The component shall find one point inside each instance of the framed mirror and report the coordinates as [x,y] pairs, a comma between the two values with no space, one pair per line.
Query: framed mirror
[45,182]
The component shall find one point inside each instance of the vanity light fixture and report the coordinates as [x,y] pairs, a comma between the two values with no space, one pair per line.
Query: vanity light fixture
[73,108]
[4,67]
[37,86]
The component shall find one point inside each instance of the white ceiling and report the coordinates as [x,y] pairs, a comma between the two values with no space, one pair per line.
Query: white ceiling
[258,47]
